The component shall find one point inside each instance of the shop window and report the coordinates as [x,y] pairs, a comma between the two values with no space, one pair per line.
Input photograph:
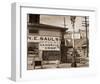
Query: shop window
[51,55]
[33,48]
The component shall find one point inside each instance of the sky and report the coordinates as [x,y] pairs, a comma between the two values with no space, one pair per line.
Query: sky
[59,21]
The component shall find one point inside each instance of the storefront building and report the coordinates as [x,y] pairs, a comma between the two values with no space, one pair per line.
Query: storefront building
[44,44]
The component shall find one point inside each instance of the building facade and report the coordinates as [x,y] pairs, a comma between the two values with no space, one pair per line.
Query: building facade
[43,44]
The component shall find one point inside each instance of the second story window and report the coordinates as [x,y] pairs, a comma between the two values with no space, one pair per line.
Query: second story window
[33,31]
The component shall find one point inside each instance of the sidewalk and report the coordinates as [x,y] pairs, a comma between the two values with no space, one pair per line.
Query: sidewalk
[64,65]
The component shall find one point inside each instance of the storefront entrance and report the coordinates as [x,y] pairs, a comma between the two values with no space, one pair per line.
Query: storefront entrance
[33,56]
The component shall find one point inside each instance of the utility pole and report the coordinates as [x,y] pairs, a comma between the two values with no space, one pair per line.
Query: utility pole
[72,18]
[63,48]
[86,26]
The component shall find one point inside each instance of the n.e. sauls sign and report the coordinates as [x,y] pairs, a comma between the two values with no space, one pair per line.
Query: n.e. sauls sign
[46,42]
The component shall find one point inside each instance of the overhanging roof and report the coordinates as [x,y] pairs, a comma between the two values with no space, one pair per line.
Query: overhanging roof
[45,26]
